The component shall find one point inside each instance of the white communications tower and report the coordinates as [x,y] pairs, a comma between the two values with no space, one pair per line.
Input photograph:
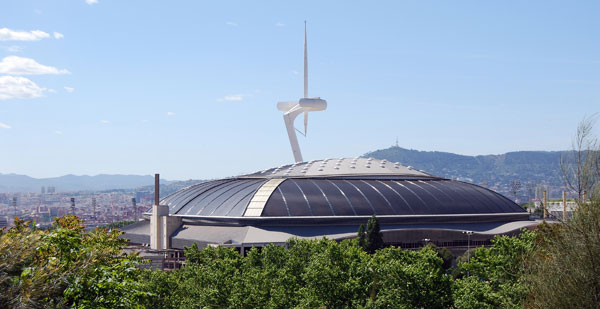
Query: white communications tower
[304,105]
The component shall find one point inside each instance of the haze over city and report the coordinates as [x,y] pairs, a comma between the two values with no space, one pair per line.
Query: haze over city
[189,89]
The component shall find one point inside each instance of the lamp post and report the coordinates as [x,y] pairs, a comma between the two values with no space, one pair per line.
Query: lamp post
[426,241]
[468,244]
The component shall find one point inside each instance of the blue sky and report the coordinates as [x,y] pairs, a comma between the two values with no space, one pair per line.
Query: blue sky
[188,88]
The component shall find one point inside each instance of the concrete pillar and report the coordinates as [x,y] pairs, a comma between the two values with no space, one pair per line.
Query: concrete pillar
[545,204]
[159,213]
[170,225]
[162,225]
[564,206]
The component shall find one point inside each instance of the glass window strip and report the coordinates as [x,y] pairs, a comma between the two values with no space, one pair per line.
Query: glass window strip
[344,194]
[386,200]
[456,188]
[325,196]
[399,195]
[411,191]
[444,193]
[225,190]
[198,203]
[363,195]
[284,202]
[481,191]
[198,194]
[249,195]
[182,199]
[304,195]
[251,183]
[429,193]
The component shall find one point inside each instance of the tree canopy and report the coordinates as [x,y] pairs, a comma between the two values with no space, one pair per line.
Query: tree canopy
[66,266]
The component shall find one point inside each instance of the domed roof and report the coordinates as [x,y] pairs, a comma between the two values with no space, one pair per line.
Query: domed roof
[339,167]
[339,191]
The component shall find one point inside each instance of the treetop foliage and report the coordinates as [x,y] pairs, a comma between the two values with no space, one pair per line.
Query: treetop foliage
[66,267]
[69,267]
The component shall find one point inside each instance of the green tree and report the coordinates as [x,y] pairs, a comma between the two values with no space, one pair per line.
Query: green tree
[565,271]
[409,279]
[336,277]
[362,237]
[165,287]
[495,277]
[374,235]
[445,254]
[210,278]
[307,274]
[67,267]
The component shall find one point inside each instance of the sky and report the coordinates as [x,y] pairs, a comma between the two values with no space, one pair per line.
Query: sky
[188,89]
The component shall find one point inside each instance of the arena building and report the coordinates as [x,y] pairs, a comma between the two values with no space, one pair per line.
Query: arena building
[329,198]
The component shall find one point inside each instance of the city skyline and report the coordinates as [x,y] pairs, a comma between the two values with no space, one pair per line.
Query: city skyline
[189,90]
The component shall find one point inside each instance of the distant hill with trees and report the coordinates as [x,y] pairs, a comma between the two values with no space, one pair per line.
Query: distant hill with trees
[22,183]
[492,171]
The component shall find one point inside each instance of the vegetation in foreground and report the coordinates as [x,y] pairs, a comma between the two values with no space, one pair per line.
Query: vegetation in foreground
[556,266]
[68,267]
[65,266]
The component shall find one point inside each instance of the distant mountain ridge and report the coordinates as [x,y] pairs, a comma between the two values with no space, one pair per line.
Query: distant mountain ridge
[67,183]
[494,171]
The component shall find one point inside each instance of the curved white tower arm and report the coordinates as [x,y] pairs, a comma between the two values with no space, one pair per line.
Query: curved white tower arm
[289,118]
[286,106]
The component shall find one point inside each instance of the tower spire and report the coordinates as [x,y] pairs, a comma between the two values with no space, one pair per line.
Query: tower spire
[305,64]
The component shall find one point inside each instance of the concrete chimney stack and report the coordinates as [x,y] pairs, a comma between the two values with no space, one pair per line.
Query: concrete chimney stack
[162,225]
[134,205]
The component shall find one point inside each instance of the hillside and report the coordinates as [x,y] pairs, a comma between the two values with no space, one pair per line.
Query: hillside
[493,171]
[22,183]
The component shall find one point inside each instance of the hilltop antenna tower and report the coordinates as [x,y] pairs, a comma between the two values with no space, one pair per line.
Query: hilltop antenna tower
[292,108]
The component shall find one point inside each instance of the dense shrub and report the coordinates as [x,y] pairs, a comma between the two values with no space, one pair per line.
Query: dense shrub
[66,266]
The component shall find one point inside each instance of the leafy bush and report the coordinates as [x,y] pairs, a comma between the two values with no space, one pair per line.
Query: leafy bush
[66,267]
[495,277]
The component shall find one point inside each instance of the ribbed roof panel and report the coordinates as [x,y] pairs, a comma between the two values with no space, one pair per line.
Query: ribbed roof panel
[329,189]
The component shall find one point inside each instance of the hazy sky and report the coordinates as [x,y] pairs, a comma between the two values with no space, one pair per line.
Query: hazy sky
[188,88]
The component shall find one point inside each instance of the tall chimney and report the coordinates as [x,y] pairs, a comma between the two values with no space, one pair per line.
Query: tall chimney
[135,215]
[156,189]
[162,225]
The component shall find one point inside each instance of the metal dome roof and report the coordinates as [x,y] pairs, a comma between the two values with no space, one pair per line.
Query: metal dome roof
[336,192]
[339,167]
